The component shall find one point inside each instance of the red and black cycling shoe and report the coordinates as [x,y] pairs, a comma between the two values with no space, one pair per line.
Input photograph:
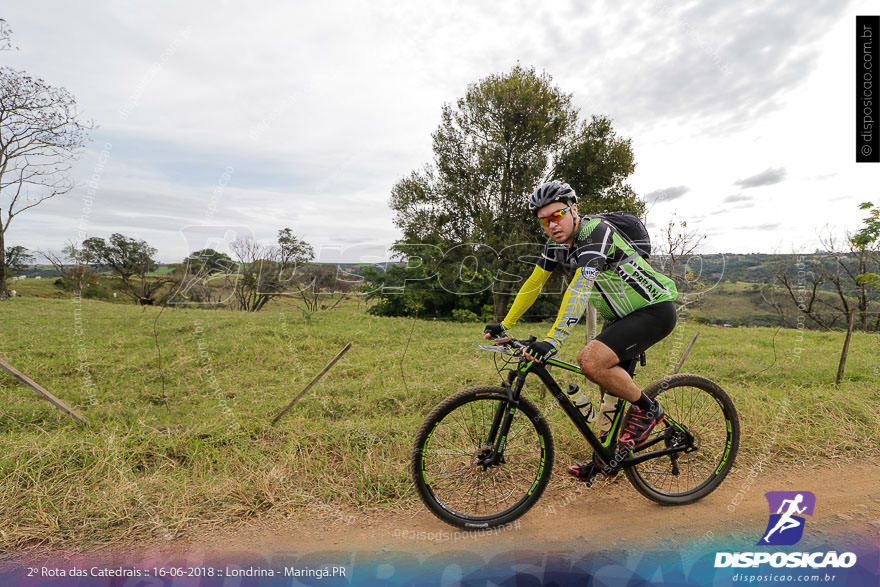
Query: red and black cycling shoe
[588,471]
[640,424]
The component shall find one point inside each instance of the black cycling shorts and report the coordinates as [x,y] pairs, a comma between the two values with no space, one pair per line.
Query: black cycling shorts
[634,333]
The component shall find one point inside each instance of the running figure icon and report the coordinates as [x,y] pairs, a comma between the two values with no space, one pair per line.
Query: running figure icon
[787,521]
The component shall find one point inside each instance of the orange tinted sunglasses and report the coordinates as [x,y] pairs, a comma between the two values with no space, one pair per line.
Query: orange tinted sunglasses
[554,217]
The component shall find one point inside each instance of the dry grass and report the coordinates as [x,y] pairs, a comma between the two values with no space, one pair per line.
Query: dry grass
[145,470]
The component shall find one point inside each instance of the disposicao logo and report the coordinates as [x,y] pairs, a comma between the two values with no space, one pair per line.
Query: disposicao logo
[787,510]
[785,528]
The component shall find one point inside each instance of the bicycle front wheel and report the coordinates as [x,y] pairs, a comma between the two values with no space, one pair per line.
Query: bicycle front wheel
[710,417]
[450,445]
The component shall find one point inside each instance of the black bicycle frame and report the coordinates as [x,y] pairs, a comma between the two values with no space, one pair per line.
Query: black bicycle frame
[505,411]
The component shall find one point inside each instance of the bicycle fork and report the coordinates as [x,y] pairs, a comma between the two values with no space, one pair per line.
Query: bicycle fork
[492,454]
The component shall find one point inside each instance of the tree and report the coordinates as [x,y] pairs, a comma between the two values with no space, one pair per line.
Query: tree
[208,261]
[508,133]
[677,243]
[848,270]
[258,280]
[130,260]
[5,36]
[868,239]
[17,259]
[72,264]
[293,251]
[308,282]
[40,135]
[802,281]
[190,282]
[856,264]
[596,162]
[188,285]
[267,271]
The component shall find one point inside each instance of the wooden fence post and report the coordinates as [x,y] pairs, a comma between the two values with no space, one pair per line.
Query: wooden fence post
[42,391]
[686,352]
[311,383]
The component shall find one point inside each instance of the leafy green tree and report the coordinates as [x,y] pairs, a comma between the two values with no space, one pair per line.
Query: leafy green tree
[208,262]
[17,259]
[130,260]
[595,161]
[867,242]
[468,212]
[292,250]
[868,237]
[396,292]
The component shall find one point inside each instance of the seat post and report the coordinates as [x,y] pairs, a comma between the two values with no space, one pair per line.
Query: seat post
[630,366]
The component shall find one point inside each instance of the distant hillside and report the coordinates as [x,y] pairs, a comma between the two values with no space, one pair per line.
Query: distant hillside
[733,289]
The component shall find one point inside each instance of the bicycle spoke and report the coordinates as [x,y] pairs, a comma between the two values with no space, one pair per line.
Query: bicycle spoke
[456,445]
[704,419]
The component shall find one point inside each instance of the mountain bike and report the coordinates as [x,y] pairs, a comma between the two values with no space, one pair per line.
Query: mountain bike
[484,455]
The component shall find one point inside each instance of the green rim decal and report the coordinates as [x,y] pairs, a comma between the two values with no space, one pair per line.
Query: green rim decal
[540,468]
[727,448]
[425,451]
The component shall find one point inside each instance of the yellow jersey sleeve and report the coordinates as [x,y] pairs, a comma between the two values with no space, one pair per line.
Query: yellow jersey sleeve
[574,303]
[526,296]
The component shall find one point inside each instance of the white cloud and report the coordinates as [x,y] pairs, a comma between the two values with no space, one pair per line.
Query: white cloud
[322,107]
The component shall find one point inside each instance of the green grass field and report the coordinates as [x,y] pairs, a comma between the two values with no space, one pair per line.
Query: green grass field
[184,446]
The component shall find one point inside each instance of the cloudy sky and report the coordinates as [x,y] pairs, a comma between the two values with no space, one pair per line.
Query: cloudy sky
[222,119]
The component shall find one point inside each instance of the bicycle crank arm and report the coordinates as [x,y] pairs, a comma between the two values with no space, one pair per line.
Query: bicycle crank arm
[678,429]
[672,436]
[635,460]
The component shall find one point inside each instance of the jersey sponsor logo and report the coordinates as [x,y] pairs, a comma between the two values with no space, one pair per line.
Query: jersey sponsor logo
[645,283]
[589,273]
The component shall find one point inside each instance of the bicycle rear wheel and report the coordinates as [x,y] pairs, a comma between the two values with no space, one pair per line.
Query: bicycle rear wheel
[709,415]
[449,445]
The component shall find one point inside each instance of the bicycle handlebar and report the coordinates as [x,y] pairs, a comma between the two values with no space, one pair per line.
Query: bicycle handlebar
[515,343]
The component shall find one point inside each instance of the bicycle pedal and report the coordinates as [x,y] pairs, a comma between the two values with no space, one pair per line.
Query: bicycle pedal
[598,477]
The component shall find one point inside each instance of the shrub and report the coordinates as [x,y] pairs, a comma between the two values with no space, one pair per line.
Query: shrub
[461,315]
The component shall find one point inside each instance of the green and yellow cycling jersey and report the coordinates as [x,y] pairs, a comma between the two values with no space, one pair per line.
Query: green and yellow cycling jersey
[607,273]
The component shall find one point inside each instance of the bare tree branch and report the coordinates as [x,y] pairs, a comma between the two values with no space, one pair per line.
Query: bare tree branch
[41,132]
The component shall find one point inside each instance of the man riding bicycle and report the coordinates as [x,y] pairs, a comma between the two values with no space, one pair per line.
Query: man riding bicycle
[635,300]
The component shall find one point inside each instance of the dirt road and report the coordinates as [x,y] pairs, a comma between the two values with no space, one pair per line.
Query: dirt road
[570,518]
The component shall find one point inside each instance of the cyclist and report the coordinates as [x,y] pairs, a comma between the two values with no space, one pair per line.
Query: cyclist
[635,300]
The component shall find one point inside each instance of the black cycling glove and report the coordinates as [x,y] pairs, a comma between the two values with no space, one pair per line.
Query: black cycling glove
[496,330]
[541,350]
